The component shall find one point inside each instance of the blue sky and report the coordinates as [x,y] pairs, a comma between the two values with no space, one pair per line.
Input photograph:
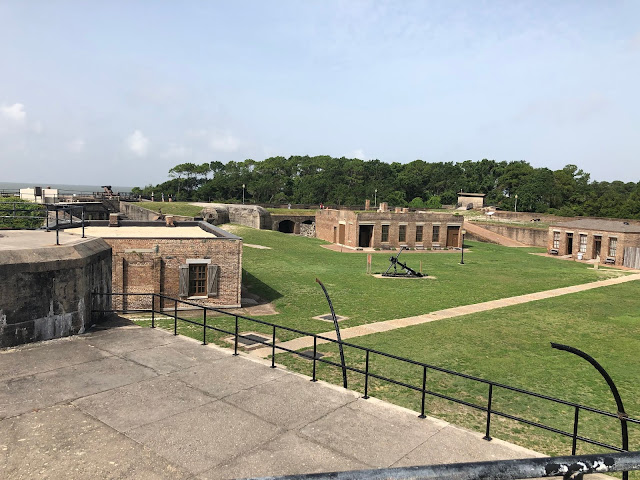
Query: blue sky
[120,91]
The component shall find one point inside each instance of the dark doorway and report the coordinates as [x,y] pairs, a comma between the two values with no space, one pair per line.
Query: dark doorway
[335,234]
[597,246]
[286,226]
[366,235]
[341,231]
[569,244]
[453,236]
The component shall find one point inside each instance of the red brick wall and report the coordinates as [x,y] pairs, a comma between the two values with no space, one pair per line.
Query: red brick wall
[153,267]
[624,240]
[326,220]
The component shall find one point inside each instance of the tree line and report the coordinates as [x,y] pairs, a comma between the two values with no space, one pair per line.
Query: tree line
[348,181]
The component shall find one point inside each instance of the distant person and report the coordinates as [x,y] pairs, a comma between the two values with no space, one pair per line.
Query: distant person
[321,206]
[289,206]
[163,196]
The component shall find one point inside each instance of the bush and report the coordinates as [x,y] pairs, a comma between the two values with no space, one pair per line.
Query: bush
[16,207]
[434,202]
[417,203]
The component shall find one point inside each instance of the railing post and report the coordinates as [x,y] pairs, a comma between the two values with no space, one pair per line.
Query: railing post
[424,391]
[622,415]
[235,342]
[315,350]
[273,348]
[175,317]
[366,376]
[575,430]
[153,310]
[487,435]
[204,326]
[57,229]
[83,209]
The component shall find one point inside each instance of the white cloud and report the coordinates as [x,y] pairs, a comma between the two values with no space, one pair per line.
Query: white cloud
[76,146]
[359,153]
[15,113]
[224,142]
[217,140]
[138,143]
[176,151]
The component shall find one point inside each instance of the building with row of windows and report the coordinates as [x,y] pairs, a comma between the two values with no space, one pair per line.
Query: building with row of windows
[613,242]
[419,230]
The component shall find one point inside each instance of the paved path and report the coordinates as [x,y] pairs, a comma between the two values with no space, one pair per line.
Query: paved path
[132,402]
[346,333]
[492,237]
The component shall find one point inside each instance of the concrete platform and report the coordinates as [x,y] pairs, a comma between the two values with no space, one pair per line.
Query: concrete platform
[130,402]
[29,239]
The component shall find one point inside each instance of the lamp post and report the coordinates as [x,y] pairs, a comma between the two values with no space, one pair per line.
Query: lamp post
[463,231]
[616,395]
[516,207]
[243,185]
[375,197]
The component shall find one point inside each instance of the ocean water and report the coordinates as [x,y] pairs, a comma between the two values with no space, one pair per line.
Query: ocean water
[63,188]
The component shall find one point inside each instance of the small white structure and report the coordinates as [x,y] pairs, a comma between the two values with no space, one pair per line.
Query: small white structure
[467,201]
[39,195]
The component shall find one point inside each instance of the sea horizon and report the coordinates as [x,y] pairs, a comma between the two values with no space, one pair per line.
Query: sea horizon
[63,188]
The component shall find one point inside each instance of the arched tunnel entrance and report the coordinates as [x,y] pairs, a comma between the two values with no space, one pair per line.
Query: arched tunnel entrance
[286,226]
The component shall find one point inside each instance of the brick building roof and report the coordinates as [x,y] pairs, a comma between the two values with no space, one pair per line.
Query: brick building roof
[597,224]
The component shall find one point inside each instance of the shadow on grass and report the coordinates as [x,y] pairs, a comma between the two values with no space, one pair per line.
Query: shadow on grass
[259,288]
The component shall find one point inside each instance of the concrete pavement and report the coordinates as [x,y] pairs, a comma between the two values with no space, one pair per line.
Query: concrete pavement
[132,402]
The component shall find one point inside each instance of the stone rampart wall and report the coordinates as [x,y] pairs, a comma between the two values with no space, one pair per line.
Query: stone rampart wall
[46,292]
[529,236]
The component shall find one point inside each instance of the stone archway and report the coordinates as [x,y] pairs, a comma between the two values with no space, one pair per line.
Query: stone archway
[286,226]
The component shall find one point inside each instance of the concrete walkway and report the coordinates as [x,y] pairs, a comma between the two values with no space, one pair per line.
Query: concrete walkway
[132,402]
[359,331]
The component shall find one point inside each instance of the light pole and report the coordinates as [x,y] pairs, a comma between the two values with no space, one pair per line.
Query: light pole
[516,207]
[622,416]
[375,198]
[243,193]
[462,251]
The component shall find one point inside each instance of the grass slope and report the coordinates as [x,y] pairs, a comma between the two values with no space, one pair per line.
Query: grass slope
[172,208]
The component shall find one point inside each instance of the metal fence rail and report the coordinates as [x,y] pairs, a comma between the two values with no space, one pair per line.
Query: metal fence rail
[30,216]
[423,389]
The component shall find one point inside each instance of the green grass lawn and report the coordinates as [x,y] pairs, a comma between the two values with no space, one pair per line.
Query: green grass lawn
[512,346]
[286,274]
[292,211]
[172,208]
[509,345]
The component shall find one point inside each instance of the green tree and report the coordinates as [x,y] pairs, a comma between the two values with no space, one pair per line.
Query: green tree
[417,203]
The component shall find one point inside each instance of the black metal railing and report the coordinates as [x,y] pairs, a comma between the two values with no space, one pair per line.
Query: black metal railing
[32,216]
[22,215]
[423,390]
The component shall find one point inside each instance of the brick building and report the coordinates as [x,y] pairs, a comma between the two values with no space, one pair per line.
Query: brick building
[614,241]
[389,229]
[193,261]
